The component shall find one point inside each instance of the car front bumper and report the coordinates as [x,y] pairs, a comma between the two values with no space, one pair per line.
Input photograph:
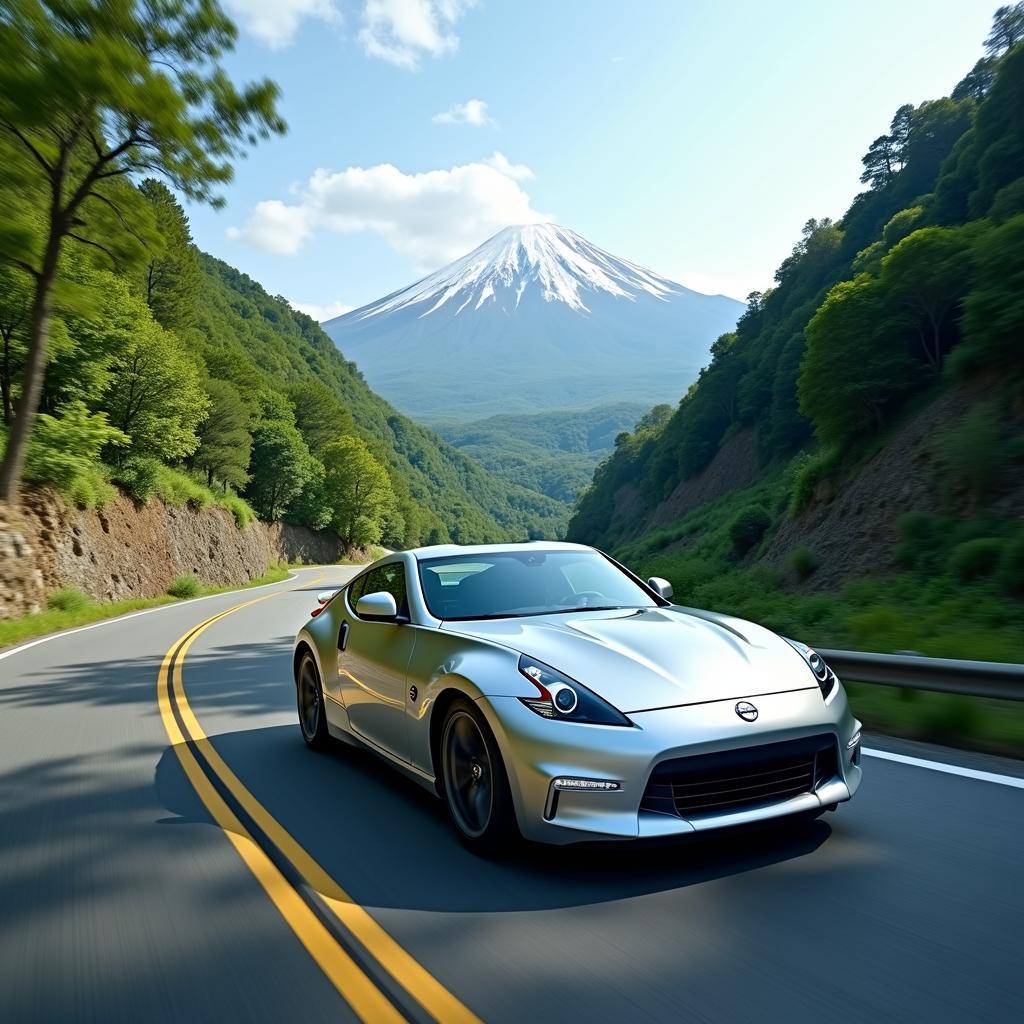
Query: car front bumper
[536,751]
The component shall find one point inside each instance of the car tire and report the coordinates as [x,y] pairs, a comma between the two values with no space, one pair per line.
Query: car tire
[474,782]
[309,696]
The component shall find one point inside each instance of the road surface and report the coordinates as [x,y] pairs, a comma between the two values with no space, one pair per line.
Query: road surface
[170,851]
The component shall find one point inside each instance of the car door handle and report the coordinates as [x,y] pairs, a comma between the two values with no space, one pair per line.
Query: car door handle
[343,636]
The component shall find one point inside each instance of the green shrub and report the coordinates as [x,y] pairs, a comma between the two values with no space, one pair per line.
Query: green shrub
[65,451]
[803,561]
[975,558]
[921,535]
[970,455]
[185,585]
[1011,566]
[90,489]
[68,600]
[809,471]
[949,719]
[139,477]
[747,528]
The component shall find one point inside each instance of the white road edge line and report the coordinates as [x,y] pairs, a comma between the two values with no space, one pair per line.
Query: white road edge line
[293,575]
[948,769]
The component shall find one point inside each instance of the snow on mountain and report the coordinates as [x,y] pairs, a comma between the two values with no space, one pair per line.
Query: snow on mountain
[535,318]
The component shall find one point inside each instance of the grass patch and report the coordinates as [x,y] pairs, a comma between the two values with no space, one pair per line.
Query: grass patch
[28,627]
[143,478]
[81,610]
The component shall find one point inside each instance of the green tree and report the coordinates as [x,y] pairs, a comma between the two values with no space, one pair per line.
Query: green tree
[1007,29]
[977,82]
[172,278]
[312,506]
[359,491]
[225,443]
[279,468]
[886,155]
[855,363]
[928,274]
[155,394]
[319,414]
[92,94]
[656,418]
[994,309]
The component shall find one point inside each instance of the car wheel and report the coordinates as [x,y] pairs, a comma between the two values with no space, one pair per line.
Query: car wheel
[310,698]
[476,786]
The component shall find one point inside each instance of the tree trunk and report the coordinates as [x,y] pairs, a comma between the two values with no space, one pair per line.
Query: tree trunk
[35,369]
[7,383]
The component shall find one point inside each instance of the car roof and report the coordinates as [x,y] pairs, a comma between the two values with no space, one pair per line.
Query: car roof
[448,550]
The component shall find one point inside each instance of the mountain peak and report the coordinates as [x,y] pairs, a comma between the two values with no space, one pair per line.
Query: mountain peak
[534,318]
[522,262]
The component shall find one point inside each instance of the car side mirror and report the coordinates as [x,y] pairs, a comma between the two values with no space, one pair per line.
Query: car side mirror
[325,597]
[378,607]
[661,587]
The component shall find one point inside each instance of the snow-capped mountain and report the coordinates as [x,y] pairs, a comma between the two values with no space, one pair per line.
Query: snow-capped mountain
[536,318]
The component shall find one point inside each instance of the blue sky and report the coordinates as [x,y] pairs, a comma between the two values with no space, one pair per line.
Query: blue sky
[694,138]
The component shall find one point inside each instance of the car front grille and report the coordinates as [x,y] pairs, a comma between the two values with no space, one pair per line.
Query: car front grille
[735,780]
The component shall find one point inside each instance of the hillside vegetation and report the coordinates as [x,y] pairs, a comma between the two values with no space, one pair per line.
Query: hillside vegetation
[152,366]
[917,293]
[183,378]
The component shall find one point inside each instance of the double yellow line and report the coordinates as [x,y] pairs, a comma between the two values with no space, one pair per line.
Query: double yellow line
[355,986]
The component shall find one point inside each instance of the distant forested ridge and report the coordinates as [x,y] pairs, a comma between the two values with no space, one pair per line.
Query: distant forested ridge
[555,453]
[921,283]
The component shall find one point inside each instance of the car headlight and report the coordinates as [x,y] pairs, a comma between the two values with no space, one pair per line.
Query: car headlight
[562,697]
[816,663]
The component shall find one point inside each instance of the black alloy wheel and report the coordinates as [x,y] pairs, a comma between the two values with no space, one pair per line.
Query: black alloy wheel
[475,784]
[310,698]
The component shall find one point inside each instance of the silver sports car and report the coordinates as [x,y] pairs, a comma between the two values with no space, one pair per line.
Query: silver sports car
[543,689]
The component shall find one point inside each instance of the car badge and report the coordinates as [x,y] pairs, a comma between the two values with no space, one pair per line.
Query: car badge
[746,711]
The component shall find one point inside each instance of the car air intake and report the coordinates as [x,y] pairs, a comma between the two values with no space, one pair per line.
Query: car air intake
[734,780]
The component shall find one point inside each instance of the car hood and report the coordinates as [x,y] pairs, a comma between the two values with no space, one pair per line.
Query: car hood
[640,659]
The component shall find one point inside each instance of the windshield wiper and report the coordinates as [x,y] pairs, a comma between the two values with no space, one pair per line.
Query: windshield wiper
[589,608]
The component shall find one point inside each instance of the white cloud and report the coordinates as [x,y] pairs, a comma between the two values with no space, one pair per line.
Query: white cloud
[501,163]
[275,227]
[472,112]
[432,217]
[275,22]
[735,286]
[323,313]
[402,31]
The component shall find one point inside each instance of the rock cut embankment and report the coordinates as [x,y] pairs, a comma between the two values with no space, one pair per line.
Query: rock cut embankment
[128,550]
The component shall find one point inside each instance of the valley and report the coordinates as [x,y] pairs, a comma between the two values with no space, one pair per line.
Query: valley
[554,453]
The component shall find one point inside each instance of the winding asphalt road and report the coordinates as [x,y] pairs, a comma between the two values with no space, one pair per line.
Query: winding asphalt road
[187,859]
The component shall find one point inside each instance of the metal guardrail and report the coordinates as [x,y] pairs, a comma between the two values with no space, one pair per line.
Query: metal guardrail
[943,675]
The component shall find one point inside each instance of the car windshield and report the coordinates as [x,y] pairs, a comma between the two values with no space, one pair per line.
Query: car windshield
[516,583]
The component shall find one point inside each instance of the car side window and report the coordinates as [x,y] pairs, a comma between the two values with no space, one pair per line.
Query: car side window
[388,579]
